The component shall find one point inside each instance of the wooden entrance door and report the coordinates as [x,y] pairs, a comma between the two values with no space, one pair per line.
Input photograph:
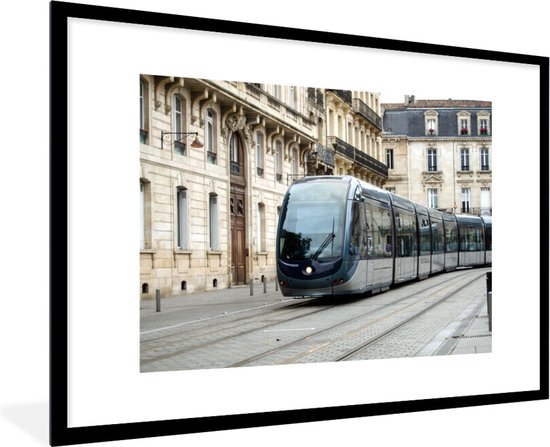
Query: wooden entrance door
[238,239]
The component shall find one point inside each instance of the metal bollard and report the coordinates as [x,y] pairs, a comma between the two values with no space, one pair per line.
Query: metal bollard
[157,297]
[276,284]
[251,286]
[265,285]
[489,278]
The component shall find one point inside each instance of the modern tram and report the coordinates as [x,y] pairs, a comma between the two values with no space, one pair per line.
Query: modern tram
[338,235]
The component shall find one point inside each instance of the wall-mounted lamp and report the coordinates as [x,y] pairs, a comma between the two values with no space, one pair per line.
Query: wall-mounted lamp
[195,143]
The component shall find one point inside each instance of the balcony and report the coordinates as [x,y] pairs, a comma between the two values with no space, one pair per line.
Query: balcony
[370,115]
[323,155]
[344,95]
[358,157]
[316,99]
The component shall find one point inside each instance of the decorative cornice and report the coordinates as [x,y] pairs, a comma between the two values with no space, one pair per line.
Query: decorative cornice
[446,139]
[237,122]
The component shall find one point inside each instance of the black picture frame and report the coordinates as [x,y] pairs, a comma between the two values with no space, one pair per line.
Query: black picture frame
[60,432]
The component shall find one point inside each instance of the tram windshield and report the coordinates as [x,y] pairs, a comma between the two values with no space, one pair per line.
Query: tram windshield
[312,225]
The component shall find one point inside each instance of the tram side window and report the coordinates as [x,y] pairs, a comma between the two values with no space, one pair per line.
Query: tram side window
[425,239]
[376,249]
[369,226]
[437,237]
[451,238]
[405,234]
[379,230]
[470,238]
[464,237]
[386,232]
[358,239]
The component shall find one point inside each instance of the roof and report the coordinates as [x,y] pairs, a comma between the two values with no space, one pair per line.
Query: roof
[438,104]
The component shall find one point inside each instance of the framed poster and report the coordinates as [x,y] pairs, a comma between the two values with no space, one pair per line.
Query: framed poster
[98,392]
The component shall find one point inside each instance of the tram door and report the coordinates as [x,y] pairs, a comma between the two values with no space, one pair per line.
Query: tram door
[369,226]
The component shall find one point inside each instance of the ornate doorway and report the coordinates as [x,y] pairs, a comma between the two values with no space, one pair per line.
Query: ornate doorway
[238,210]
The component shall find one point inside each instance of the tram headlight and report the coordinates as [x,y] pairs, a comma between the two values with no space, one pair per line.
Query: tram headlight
[308,270]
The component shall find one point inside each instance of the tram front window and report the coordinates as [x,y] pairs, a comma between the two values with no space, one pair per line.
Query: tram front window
[313,222]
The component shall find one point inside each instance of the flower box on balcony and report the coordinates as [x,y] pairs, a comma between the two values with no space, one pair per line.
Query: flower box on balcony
[463,131]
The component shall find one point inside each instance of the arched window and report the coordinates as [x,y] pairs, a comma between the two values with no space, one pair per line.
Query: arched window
[210,136]
[178,124]
[236,155]
[295,162]
[143,112]
[260,154]
[279,161]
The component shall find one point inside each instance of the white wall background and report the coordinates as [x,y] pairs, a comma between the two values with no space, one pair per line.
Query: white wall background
[512,27]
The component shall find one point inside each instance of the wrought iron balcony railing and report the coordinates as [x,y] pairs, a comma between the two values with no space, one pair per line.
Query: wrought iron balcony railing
[323,154]
[344,95]
[360,158]
[360,107]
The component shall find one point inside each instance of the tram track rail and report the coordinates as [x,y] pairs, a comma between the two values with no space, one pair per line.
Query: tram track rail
[434,288]
[235,324]
[196,339]
[368,343]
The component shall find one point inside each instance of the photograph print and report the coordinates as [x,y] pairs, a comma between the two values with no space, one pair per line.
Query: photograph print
[282,224]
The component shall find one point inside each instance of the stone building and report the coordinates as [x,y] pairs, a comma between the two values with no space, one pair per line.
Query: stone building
[354,123]
[439,153]
[216,158]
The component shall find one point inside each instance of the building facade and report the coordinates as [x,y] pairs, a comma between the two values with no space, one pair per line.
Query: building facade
[216,158]
[439,153]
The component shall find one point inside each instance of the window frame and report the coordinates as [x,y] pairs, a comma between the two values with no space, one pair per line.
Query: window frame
[464,123]
[260,143]
[466,200]
[178,123]
[210,136]
[182,218]
[213,222]
[294,162]
[432,159]
[431,122]
[484,154]
[465,159]
[433,198]
[390,158]
[143,111]
[262,237]
[278,161]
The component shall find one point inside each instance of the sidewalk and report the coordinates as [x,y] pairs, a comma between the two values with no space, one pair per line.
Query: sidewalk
[477,338]
[195,306]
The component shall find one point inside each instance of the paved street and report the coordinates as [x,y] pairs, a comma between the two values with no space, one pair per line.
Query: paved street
[442,315]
